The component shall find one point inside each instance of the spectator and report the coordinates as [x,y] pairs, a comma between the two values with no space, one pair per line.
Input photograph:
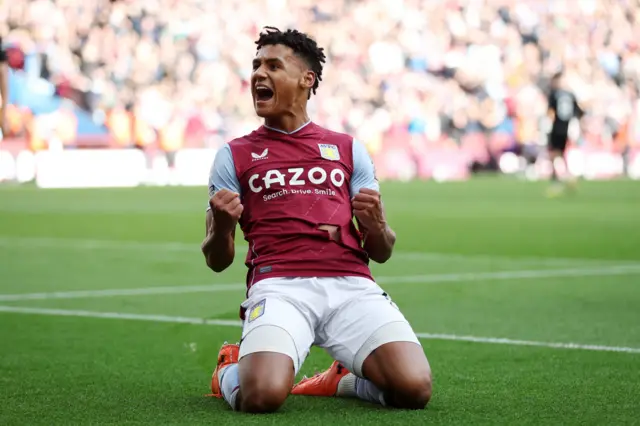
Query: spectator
[419,70]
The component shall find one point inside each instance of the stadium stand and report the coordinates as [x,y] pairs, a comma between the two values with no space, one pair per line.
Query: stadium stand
[464,81]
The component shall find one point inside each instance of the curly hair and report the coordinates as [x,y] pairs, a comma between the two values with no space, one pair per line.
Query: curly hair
[301,44]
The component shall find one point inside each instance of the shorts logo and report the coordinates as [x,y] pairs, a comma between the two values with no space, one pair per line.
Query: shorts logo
[257,310]
[329,152]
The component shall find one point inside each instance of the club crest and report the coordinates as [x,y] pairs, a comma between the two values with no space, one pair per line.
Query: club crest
[257,310]
[329,152]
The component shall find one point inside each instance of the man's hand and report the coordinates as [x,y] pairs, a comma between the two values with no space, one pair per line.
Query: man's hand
[218,245]
[227,210]
[367,208]
[379,238]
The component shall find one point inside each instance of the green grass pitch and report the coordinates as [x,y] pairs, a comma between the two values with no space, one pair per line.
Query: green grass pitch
[499,281]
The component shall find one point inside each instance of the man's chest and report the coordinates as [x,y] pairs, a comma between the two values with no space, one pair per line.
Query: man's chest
[297,169]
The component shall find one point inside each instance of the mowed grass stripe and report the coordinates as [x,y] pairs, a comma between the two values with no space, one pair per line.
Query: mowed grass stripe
[382,280]
[168,246]
[237,323]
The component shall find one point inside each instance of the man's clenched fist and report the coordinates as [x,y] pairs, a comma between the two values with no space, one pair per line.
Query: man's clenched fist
[367,208]
[227,210]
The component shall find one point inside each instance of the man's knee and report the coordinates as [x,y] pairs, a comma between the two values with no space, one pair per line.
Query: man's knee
[263,398]
[413,393]
[266,379]
[402,372]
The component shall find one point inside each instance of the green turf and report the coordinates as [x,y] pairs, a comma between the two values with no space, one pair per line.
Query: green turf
[78,370]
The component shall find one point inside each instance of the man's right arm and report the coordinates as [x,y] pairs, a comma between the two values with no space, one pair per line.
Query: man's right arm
[218,246]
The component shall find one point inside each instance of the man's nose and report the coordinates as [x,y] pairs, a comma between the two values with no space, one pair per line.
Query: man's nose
[260,73]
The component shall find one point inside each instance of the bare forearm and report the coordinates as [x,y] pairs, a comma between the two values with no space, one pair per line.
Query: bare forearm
[219,250]
[379,244]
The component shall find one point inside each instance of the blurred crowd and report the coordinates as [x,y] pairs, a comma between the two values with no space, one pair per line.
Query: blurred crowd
[412,72]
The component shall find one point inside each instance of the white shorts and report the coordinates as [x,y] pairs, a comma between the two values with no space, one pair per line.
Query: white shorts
[347,316]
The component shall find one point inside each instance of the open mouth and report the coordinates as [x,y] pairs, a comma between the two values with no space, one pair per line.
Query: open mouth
[263,93]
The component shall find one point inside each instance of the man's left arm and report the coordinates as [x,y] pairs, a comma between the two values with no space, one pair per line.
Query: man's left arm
[368,208]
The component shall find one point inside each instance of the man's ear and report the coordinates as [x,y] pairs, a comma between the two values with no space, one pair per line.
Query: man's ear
[308,79]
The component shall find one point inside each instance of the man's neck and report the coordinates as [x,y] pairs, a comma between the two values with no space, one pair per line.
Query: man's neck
[287,124]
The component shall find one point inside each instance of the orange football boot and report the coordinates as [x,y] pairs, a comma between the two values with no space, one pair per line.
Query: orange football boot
[228,355]
[322,384]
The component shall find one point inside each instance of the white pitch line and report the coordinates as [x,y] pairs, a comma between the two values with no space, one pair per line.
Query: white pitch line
[91,244]
[509,275]
[237,323]
[386,280]
[85,294]
[164,246]
[505,341]
[119,315]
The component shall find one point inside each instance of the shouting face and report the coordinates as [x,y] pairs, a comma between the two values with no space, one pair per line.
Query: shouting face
[280,81]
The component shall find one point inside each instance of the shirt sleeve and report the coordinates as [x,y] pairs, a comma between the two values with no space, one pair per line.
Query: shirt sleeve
[223,173]
[364,172]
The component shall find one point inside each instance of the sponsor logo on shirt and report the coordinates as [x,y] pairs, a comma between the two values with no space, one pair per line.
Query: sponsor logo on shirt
[262,156]
[297,181]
